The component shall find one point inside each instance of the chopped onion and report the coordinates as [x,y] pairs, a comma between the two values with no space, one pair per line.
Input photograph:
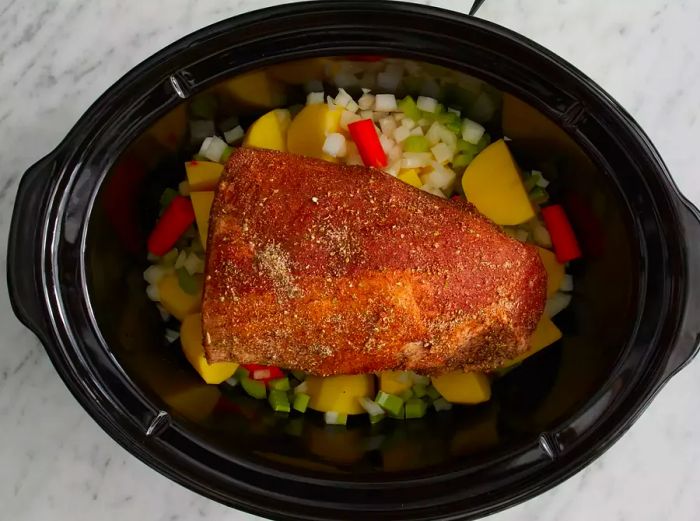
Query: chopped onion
[433,190]
[387,143]
[171,335]
[234,135]
[348,117]
[471,131]
[521,234]
[393,169]
[541,236]
[343,98]
[313,98]
[180,262]
[164,315]
[408,123]
[388,125]
[442,153]
[385,103]
[541,181]
[213,148]
[376,116]
[448,137]
[422,122]
[416,131]
[442,405]
[434,133]
[420,379]
[313,86]
[231,382]
[201,129]
[399,116]
[401,133]
[352,106]
[153,293]
[335,145]
[335,418]
[440,177]
[395,153]
[331,103]
[154,273]
[426,104]
[366,102]
[567,283]
[372,407]
[557,303]
[454,111]
[193,264]
[366,114]
[366,90]
[416,159]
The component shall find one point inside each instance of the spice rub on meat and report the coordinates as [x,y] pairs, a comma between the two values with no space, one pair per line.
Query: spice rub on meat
[333,269]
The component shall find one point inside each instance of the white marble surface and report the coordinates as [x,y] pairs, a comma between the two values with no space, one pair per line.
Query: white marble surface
[56,57]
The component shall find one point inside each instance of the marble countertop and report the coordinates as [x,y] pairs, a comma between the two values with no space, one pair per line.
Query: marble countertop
[57,56]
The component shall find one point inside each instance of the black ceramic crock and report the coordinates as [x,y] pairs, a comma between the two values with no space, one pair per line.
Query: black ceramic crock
[633,323]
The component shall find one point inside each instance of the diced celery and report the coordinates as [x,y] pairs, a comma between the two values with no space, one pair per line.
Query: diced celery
[301,402]
[539,195]
[280,384]
[466,147]
[227,153]
[415,408]
[254,388]
[450,121]
[389,402]
[400,414]
[376,418]
[187,282]
[409,108]
[419,390]
[483,142]
[432,393]
[442,405]
[335,418]
[299,375]
[241,373]
[204,106]
[460,162]
[167,197]
[170,257]
[416,144]
[529,181]
[278,400]
[406,395]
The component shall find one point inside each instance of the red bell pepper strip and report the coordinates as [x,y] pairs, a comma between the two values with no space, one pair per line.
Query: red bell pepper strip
[564,241]
[177,217]
[370,148]
[263,373]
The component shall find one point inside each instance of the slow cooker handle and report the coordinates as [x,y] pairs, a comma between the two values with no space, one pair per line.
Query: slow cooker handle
[688,342]
[24,245]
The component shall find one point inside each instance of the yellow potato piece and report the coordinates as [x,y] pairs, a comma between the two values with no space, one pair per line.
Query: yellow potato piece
[555,270]
[492,182]
[309,128]
[191,340]
[546,333]
[269,131]
[255,90]
[461,387]
[175,300]
[393,383]
[203,175]
[299,72]
[201,202]
[339,393]
[410,177]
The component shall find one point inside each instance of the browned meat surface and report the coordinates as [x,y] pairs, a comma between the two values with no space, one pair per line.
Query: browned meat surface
[334,269]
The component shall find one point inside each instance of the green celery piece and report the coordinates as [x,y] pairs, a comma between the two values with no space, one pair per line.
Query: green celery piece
[389,402]
[450,121]
[187,282]
[483,142]
[301,402]
[169,258]
[465,147]
[166,198]
[539,195]
[376,418]
[299,375]
[415,408]
[227,153]
[432,392]
[460,162]
[278,400]
[409,108]
[420,390]
[529,181]
[204,106]
[406,395]
[416,144]
[398,415]
[341,419]
[280,384]
[254,388]
[241,373]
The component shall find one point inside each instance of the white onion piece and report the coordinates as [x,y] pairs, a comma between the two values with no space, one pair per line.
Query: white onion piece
[234,135]
[366,102]
[303,387]
[184,188]
[335,145]
[153,293]
[393,169]
[180,262]
[395,153]
[386,142]
[454,111]
[426,104]
[567,283]
[372,407]
[171,335]
[154,273]
[416,159]
[385,103]
[557,303]
[343,98]
[214,149]
[387,125]
[348,117]
[401,133]
[408,123]
[434,133]
[416,131]
[193,264]
[352,106]
[433,190]
[439,177]
[314,98]
[442,153]
[471,131]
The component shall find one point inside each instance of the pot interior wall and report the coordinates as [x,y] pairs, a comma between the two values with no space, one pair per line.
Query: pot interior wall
[546,389]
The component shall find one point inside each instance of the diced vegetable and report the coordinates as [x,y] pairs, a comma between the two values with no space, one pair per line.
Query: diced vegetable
[493,184]
[419,390]
[254,388]
[335,418]
[335,145]
[567,283]
[203,175]
[442,153]
[301,402]
[565,244]
[389,402]
[213,148]
[234,135]
[364,134]
[442,405]
[409,108]
[410,177]
[278,400]
[415,408]
[175,300]
[313,98]
[189,283]
[269,131]
[471,131]
[376,413]
[555,270]
[416,144]
[385,103]
[280,384]
[191,339]
[201,202]
[264,373]
[463,387]
[432,393]
[177,217]
[557,303]
[427,104]
[546,333]
[339,393]
[308,130]
[394,382]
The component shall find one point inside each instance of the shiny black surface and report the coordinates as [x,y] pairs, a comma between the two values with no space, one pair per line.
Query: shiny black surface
[634,323]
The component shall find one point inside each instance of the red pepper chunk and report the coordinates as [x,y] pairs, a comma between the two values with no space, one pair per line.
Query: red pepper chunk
[370,148]
[177,217]
[564,241]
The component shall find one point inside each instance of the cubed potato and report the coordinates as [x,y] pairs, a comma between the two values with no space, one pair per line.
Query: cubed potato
[461,387]
[546,333]
[339,393]
[308,130]
[201,202]
[410,176]
[269,131]
[203,175]
[175,300]
[191,340]
[394,382]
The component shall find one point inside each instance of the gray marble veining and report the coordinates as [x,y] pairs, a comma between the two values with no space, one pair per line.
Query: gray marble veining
[56,57]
